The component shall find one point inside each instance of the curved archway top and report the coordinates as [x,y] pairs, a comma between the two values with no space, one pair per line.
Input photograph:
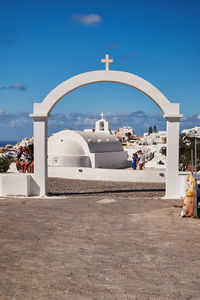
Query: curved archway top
[170,110]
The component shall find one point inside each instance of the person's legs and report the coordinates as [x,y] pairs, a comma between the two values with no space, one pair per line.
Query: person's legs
[32,167]
[27,165]
[23,167]
[18,165]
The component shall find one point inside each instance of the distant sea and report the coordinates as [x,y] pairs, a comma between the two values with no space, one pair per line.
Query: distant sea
[4,143]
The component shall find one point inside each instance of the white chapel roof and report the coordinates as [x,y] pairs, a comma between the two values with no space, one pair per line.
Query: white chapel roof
[72,143]
[101,141]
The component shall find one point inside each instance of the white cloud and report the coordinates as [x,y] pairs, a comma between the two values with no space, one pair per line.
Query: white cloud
[19,125]
[51,122]
[18,86]
[132,54]
[89,20]
[113,46]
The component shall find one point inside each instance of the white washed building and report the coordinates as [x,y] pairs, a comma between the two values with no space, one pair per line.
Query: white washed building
[69,148]
[123,131]
[90,149]
[155,138]
[192,131]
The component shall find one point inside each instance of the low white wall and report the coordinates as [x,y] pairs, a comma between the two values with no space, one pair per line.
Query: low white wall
[129,175]
[14,184]
[18,184]
[107,174]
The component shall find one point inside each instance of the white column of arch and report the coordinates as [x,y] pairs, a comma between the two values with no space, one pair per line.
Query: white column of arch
[40,154]
[172,161]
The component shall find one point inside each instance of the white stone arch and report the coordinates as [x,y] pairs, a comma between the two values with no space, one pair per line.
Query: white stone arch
[42,111]
[126,78]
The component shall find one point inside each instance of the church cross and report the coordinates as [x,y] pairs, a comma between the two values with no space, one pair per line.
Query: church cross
[102,115]
[107,61]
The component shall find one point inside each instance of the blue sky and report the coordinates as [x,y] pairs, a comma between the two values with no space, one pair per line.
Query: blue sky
[43,43]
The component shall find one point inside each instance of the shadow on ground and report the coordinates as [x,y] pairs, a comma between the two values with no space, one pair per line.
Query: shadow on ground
[122,192]
[69,187]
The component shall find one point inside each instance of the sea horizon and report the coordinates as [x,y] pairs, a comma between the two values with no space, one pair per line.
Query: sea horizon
[8,142]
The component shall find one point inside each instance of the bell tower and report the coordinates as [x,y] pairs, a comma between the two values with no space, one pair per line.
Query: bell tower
[102,125]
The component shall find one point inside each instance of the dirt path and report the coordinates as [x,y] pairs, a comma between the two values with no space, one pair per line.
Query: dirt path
[98,246]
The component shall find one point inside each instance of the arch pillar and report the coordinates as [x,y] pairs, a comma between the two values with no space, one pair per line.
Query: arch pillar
[172,189]
[40,153]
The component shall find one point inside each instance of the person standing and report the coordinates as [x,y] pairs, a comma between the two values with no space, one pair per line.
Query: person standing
[141,160]
[135,161]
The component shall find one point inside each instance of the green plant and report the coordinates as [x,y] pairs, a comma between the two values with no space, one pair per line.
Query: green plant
[155,129]
[185,145]
[4,164]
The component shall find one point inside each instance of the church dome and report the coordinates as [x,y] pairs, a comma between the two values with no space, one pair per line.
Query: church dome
[64,143]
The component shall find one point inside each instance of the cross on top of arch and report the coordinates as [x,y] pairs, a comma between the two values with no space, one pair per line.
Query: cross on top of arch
[107,61]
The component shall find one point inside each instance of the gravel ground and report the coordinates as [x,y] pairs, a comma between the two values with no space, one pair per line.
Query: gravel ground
[98,241]
[70,187]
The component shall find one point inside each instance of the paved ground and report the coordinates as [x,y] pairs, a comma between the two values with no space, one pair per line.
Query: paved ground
[98,241]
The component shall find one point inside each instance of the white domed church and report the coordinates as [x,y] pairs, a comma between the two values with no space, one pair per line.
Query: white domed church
[89,149]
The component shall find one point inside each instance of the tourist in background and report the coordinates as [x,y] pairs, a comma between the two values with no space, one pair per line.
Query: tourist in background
[18,162]
[32,163]
[141,160]
[22,158]
[135,161]
[29,159]
[25,162]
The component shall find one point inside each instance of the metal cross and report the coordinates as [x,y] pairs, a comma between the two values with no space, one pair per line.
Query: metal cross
[107,61]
